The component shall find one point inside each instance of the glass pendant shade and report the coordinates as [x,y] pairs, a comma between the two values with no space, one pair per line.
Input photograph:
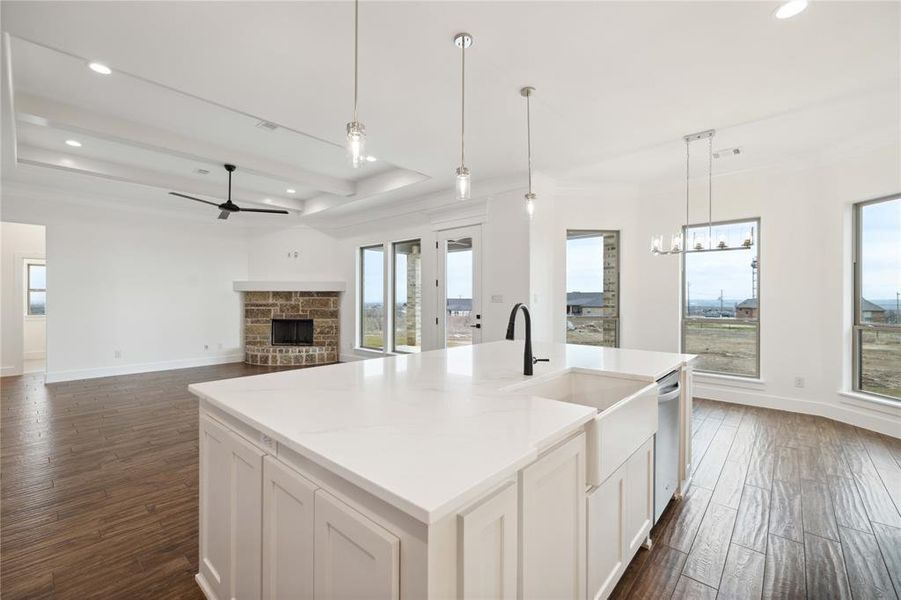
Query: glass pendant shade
[464,188]
[530,204]
[356,144]
[676,245]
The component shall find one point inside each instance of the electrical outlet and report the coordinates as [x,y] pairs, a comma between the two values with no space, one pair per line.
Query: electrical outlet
[799,382]
[266,440]
[117,354]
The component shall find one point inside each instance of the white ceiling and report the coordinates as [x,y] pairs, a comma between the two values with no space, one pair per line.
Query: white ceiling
[618,84]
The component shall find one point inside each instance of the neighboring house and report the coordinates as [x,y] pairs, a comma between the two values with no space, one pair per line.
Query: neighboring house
[459,306]
[872,313]
[746,309]
[585,304]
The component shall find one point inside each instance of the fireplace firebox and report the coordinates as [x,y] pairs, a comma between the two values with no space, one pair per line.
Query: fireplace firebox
[292,332]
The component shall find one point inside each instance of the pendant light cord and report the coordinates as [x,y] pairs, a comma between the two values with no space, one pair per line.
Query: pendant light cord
[710,190]
[356,50]
[229,186]
[687,179]
[463,104]
[529,134]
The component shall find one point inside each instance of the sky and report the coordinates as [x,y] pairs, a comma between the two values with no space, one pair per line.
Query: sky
[585,264]
[459,275]
[880,250]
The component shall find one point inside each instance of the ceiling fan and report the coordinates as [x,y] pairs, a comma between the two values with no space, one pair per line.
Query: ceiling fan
[228,207]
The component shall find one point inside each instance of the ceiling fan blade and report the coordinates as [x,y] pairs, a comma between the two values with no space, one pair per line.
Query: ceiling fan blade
[265,210]
[224,214]
[193,198]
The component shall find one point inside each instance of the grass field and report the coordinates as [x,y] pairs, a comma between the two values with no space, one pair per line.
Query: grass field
[880,364]
[723,347]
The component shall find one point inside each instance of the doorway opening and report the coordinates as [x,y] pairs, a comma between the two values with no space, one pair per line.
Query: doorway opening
[23,269]
[459,287]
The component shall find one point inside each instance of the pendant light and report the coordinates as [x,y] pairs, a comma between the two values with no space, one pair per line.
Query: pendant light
[526,93]
[464,187]
[678,243]
[356,131]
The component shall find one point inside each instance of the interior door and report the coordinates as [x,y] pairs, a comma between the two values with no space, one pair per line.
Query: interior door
[459,284]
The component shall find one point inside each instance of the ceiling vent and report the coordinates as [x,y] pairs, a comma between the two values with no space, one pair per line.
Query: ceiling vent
[202,171]
[267,125]
[727,152]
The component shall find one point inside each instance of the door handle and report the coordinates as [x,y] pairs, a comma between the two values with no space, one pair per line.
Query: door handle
[476,326]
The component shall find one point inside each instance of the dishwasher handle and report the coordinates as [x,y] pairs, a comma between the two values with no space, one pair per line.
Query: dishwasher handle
[670,395]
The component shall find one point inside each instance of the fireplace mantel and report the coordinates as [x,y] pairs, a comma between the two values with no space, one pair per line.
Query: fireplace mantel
[290,286]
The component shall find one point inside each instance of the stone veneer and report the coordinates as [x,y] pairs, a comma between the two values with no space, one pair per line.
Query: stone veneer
[261,307]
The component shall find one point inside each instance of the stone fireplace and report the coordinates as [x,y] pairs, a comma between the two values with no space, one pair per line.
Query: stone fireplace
[290,328]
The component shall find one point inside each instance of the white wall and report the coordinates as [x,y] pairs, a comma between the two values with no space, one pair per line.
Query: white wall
[805,272]
[18,334]
[155,289]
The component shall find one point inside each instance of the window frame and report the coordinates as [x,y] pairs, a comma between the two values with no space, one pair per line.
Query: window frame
[683,312]
[619,246]
[39,262]
[857,326]
[362,303]
[393,295]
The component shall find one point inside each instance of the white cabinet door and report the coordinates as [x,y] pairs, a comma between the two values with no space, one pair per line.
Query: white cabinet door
[354,557]
[553,523]
[606,535]
[488,546]
[639,494]
[231,476]
[288,500]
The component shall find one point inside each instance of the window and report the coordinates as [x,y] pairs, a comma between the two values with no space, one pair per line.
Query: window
[877,297]
[407,296]
[36,288]
[720,298]
[592,288]
[372,297]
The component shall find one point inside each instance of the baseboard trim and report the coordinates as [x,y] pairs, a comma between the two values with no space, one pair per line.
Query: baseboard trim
[859,416]
[185,363]
[205,588]
[10,371]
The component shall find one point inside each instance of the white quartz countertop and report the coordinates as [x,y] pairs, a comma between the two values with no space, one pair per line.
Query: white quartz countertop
[426,432]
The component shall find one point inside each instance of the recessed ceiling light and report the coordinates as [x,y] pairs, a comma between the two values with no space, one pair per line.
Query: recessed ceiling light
[267,200]
[291,191]
[790,9]
[100,68]
[73,143]
[371,159]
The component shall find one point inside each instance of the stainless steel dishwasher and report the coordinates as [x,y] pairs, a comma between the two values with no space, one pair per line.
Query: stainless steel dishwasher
[666,442]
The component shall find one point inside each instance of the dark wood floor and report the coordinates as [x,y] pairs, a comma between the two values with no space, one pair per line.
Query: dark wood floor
[782,506]
[98,491]
[98,498]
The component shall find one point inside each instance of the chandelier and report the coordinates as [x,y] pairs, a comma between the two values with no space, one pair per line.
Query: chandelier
[698,243]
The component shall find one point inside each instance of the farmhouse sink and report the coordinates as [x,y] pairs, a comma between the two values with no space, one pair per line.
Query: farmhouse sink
[627,414]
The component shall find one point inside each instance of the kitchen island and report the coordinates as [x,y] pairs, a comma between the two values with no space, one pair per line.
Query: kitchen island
[442,474]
